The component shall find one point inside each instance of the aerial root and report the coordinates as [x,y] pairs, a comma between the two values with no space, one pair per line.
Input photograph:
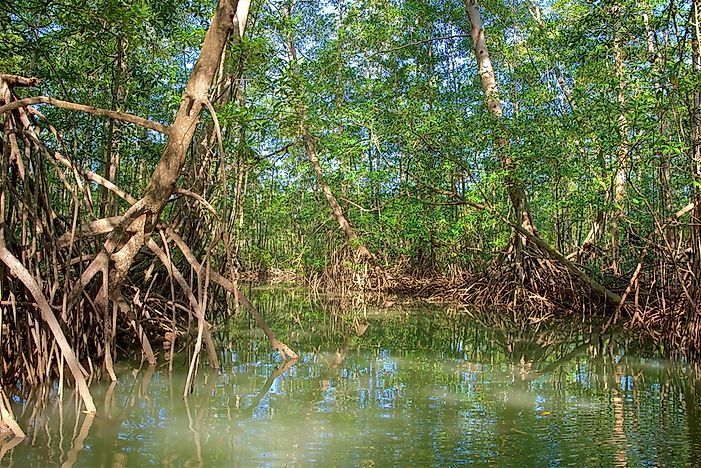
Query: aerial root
[67,284]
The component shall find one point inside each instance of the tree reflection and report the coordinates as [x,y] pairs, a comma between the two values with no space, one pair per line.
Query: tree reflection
[255,401]
[386,386]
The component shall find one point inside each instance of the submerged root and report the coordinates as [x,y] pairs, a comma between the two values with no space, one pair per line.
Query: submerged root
[539,287]
[350,271]
[58,266]
[666,321]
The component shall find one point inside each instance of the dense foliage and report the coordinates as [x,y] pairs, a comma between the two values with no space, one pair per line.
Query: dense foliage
[395,105]
[369,115]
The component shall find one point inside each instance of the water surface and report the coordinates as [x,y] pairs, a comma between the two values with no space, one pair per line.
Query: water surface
[399,386]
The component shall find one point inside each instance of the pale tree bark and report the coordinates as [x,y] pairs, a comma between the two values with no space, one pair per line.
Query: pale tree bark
[515,189]
[310,147]
[525,230]
[144,214]
[622,158]
[695,222]
[227,83]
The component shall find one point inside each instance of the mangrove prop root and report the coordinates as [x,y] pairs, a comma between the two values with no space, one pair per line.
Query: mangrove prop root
[21,273]
[228,285]
[61,276]
[7,419]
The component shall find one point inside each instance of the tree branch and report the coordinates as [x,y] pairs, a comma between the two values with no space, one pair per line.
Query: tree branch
[89,109]
[16,80]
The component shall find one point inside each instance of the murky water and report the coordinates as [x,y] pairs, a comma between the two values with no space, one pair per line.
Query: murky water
[400,387]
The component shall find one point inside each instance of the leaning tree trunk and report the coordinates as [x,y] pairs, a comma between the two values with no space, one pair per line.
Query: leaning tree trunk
[201,179]
[202,176]
[514,185]
[143,215]
[137,224]
[310,147]
[536,269]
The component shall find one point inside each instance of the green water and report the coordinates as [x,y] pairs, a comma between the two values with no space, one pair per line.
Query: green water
[416,387]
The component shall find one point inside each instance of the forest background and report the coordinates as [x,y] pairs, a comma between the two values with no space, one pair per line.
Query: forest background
[521,155]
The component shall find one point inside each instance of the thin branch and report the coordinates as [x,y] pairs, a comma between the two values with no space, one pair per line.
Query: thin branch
[87,174]
[199,198]
[284,149]
[136,120]
[423,41]
[366,210]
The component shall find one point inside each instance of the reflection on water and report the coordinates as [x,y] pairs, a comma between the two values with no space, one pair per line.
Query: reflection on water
[396,388]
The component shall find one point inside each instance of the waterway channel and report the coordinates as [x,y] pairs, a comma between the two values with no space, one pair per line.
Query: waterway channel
[390,386]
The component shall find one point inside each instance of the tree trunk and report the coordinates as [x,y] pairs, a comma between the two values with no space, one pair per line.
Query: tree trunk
[695,222]
[516,191]
[622,159]
[310,147]
[145,213]
[203,177]
[107,200]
